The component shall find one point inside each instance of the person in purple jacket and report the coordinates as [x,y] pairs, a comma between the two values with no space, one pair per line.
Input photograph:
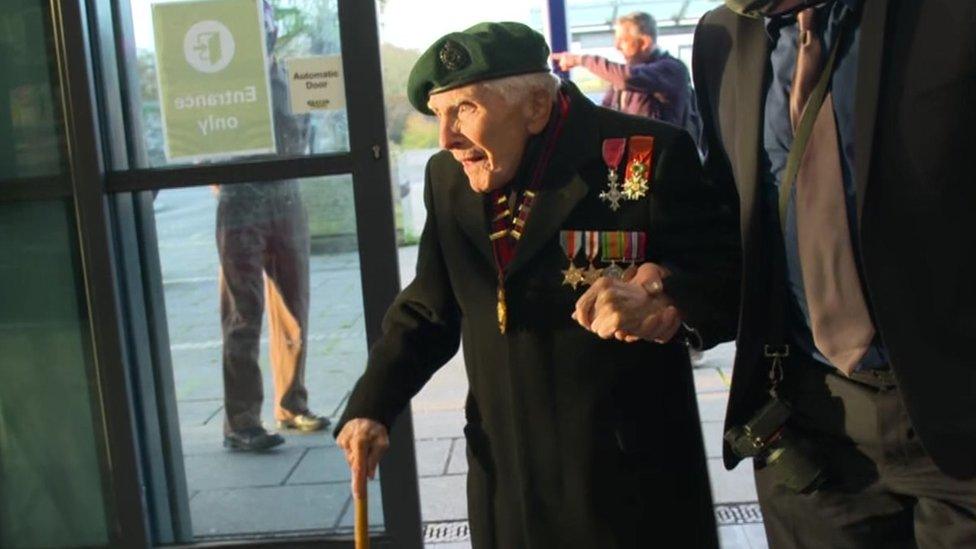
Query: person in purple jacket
[651,83]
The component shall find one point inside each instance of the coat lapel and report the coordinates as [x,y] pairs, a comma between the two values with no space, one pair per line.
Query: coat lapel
[749,73]
[469,210]
[553,204]
[870,54]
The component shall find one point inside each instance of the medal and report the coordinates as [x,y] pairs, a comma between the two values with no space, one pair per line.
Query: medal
[635,251]
[613,152]
[623,246]
[502,307]
[613,250]
[571,242]
[637,177]
[591,245]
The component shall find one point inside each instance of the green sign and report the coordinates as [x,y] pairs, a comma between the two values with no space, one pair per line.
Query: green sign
[213,78]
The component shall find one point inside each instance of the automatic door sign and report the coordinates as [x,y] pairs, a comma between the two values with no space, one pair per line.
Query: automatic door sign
[212,69]
[316,83]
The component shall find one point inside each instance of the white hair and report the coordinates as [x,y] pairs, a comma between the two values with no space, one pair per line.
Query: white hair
[517,89]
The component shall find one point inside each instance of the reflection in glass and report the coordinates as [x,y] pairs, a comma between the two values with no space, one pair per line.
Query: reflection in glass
[50,478]
[30,122]
[274,240]
[294,29]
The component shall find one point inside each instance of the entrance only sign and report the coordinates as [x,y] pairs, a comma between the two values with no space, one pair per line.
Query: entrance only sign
[212,70]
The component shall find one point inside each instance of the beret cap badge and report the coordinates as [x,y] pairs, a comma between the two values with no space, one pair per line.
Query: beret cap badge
[485,51]
[453,56]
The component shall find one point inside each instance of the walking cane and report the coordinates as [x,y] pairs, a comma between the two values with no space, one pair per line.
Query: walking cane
[362,512]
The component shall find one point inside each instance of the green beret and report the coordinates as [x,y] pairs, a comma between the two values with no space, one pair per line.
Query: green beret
[483,52]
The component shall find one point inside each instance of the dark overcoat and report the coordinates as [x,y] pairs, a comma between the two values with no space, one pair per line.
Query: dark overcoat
[915,180]
[572,441]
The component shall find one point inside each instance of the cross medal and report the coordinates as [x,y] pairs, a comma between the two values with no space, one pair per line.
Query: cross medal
[613,153]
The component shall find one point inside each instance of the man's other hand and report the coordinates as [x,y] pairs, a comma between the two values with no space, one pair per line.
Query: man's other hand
[630,309]
[364,442]
[566,60]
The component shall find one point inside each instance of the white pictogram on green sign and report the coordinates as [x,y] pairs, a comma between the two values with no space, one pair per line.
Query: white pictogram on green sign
[214,92]
[208,46]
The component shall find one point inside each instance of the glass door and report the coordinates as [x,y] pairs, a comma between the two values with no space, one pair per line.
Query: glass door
[249,182]
[66,463]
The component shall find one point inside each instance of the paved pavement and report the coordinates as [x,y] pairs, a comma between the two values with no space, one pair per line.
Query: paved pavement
[302,486]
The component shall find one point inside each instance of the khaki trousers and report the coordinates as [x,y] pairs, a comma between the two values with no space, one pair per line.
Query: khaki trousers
[263,242]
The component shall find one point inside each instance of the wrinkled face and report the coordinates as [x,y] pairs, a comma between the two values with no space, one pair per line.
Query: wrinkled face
[629,42]
[485,133]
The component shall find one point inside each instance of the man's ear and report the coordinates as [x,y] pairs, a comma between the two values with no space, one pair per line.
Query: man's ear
[537,111]
[647,43]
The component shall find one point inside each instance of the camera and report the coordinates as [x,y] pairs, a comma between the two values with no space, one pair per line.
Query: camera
[767,438]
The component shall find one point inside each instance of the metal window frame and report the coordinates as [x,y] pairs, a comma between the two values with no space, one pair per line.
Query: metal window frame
[83,139]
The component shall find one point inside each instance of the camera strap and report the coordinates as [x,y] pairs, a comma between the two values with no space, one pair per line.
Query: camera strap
[776,349]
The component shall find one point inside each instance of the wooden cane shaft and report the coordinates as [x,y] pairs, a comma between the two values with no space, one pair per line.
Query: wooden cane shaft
[362,516]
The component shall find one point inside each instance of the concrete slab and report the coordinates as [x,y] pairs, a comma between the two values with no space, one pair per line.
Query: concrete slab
[375,505]
[432,456]
[446,390]
[438,424]
[458,465]
[711,406]
[720,356]
[712,432]
[209,438]
[733,537]
[226,469]
[756,535]
[443,498]
[732,486]
[708,380]
[197,374]
[320,465]
[200,412]
[244,511]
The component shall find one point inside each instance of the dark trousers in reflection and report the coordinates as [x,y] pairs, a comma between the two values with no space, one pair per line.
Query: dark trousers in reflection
[263,242]
[882,488]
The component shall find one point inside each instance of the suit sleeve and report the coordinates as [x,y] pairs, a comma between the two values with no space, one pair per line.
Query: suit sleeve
[614,73]
[421,332]
[695,235]
[667,77]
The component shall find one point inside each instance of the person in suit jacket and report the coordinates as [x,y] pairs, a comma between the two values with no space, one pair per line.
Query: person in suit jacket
[573,441]
[888,398]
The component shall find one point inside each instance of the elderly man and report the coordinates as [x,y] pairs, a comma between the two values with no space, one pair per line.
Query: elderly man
[573,440]
[650,83]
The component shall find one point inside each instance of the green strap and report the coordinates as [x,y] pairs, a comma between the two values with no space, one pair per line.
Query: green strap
[805,127]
